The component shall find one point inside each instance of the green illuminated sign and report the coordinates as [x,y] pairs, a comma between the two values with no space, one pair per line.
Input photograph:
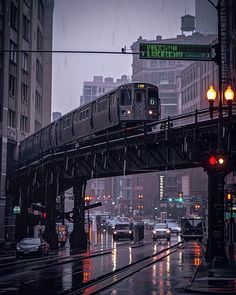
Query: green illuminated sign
[175,51]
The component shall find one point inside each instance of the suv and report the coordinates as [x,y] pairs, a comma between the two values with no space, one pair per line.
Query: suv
[161,231]
[123,230]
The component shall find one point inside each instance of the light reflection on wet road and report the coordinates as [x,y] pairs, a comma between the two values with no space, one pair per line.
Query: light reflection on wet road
[71,275]
[168,277]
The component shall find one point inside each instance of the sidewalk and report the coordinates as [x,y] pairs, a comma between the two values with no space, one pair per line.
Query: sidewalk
[215,280]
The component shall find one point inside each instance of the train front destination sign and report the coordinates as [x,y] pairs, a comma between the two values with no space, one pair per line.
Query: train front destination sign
[175,51]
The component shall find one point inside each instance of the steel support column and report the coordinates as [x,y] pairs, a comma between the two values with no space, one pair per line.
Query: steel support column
[78,238]
[22,219]
[215,252]
[51,194]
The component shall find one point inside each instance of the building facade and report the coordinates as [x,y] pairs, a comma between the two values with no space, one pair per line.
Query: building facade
[25,82]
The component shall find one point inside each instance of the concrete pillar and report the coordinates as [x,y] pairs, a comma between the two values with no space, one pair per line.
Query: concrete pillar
[78,238]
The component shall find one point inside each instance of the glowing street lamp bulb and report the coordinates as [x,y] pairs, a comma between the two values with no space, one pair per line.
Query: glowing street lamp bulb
[211,94]
[229,94]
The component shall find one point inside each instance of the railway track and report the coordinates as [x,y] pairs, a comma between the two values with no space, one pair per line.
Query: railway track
[107,280]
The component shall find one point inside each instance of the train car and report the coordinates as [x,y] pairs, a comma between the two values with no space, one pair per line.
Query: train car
[127,105]
[192,228]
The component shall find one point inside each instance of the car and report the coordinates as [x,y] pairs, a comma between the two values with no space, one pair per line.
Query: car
[32,247]
[161,231]
[174,227]
[123,230]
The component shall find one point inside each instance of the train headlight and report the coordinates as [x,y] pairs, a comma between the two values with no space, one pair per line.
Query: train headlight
[150,112]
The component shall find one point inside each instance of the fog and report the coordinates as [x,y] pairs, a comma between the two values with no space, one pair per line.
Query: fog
[105,25]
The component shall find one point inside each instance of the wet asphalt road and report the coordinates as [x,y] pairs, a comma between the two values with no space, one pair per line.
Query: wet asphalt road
[166,277]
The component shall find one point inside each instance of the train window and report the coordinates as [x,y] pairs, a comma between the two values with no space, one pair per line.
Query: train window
[87,113]
[126,97]
[113,99]
[138,97]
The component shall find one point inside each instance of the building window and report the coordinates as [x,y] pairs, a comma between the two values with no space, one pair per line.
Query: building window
[23,123]
[26,28]
[39,39]
[87,90]
[24,92]
[163,77]
[13,18]
[40,11]
[11,118]
[12,85]
[39,72]
[38,126]
[163,63]
[25,61]
[94,90]
[13,48]
[153,63]
[38,102]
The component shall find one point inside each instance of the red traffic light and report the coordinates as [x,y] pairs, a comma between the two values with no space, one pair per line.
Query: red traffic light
[212,160]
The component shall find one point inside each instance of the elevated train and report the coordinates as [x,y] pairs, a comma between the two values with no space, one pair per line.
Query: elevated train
[129,104]
[192,228]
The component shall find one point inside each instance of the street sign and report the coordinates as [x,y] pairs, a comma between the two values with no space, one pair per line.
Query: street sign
[175,51]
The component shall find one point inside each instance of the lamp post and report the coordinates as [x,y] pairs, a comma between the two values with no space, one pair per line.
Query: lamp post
[216,245]
[216,192]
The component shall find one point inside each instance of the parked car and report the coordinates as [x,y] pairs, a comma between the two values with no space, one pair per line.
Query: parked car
[32,247]
[174,227]
[161,231]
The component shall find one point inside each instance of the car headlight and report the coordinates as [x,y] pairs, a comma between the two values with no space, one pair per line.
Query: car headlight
[130,232]
[17,247]
[154,232]
[150,112]
[168,231]
[115,232]
[128,112]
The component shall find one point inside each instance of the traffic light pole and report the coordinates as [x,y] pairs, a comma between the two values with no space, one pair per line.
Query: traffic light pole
[216,236]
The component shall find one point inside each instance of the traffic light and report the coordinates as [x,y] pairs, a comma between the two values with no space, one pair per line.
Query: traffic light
[218,161]
[212,161]
[229,196]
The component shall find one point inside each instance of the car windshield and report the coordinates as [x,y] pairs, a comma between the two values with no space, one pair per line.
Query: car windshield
[122,226]
[172,224]
[160,226]
[31,242]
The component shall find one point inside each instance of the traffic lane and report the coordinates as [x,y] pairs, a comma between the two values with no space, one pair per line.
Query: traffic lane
[72,275]
[167,277]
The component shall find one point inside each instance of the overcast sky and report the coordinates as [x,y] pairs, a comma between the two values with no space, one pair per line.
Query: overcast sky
[106,25]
